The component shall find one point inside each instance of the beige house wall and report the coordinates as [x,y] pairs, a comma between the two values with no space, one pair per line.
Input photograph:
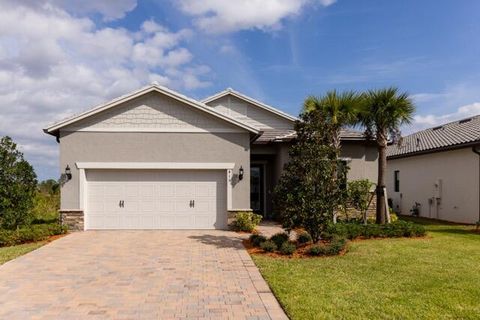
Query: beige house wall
[155,147]
[362,160]
[457,199]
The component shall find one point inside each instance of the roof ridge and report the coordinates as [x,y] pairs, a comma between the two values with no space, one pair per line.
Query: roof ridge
[444,124]
[250,100]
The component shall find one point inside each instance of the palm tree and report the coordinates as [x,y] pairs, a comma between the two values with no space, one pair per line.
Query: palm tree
[382,113]
[341,109]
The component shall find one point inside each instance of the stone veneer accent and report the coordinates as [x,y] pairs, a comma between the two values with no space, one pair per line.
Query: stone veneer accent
[73,219]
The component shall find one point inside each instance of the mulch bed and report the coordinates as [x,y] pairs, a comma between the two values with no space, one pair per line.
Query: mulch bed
[300,253]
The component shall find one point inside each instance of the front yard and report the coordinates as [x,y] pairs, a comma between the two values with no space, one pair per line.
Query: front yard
[437,277]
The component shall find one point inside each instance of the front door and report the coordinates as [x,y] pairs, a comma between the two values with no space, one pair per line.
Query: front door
[257,188]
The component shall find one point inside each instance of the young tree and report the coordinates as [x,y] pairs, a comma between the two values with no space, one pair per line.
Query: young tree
[383,112]
[307,194]
[18,184]
[359,196]
[340,110]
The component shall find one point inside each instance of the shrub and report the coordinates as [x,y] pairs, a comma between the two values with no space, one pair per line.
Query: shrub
[288,248]
[395,229]
[268,246]
[279,238]
[334,247]
[257,239]
[30,234]
[304,237]
[246,221]
[359,195]
[393,215]
[316,250]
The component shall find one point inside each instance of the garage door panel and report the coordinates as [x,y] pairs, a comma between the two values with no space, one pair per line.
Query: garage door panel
[165,189]
[203,206]
[131,190]
[156,199]
[183,221]
[113,190]
[204,221]
[147,191]
[165,205]
[182,205]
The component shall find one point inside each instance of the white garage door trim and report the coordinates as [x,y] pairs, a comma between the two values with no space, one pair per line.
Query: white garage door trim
[82,166]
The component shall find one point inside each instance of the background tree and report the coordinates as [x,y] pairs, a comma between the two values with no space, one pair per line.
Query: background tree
[307,195]
[382,113]
[47,202]
[18,184]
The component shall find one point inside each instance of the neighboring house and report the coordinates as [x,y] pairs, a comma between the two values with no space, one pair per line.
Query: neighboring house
[156,159]
[439,169]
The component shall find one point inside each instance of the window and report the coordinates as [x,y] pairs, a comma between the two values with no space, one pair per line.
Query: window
[396,178]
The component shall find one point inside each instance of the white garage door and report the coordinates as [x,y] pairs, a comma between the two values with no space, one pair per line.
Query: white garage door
[156,199]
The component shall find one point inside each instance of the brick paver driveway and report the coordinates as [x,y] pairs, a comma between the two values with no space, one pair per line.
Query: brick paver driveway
[137,275]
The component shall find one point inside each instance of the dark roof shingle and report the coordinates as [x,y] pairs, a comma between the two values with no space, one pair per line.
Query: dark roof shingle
[452,134]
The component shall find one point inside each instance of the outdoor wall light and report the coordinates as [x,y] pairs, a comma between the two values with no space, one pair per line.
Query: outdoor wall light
[240,173]
[68,172]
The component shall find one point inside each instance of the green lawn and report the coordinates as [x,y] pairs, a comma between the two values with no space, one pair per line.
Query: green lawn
[9,253]
[437,277]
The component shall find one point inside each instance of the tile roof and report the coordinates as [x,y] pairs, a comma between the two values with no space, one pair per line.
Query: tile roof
[449,135]
[276,135]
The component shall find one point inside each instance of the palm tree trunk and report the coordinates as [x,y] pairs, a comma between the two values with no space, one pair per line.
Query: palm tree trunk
[382,168]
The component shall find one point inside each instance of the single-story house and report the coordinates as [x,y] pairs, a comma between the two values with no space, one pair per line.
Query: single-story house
[438,168]
[156,159]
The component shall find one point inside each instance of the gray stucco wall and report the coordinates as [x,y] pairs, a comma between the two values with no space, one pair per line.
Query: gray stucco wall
[154,147]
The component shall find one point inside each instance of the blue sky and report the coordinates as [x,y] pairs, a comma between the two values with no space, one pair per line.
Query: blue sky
[58,57]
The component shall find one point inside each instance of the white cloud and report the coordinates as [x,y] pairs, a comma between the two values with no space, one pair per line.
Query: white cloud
[108,9]
[435,108]
[220,16]
[54,63]
[430,120]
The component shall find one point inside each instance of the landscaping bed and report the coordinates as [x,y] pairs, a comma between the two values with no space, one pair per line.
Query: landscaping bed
[333,241]
[32,233]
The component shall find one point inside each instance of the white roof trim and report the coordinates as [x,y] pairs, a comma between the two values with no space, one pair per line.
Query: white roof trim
[154,87]
[157,165]
[250,100]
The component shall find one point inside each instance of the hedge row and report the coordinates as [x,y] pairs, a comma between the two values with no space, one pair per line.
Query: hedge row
[31,233]
[395,229]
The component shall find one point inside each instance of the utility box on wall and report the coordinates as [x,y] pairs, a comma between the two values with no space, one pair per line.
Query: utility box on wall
[437,191]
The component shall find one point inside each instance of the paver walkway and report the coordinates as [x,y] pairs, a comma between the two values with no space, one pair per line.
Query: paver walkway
[137,275]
